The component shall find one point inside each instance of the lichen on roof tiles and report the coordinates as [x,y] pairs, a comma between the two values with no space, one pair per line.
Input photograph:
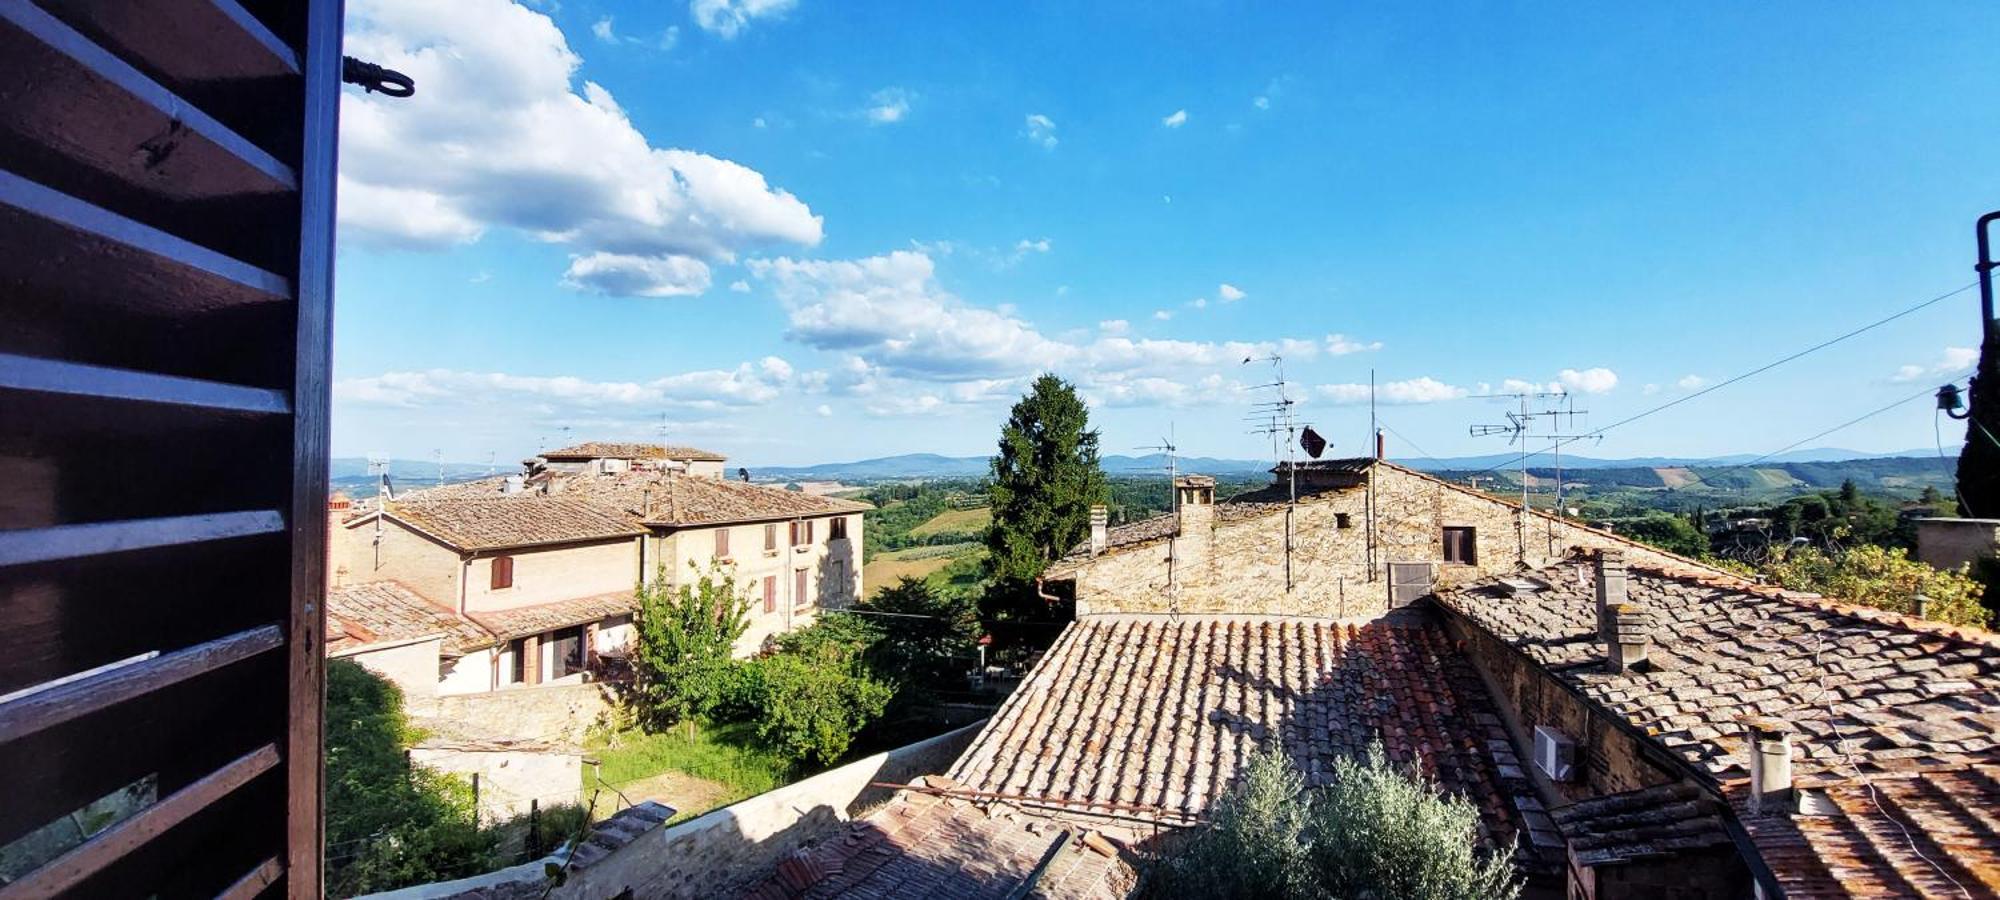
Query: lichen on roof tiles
[382,611]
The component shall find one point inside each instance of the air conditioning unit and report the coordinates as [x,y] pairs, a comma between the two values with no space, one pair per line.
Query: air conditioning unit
[1555,754]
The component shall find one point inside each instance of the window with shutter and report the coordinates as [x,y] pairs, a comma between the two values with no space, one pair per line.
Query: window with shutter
[836,528]
[722,543]
[771,538]
[164,364]
[1461,545]
[799,595]
[770,593]
[809,532]
[795,533]
[502,573]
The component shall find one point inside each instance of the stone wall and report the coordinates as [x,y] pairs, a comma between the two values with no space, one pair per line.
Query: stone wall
[1950,543]
[508,778]
[1241,565]
[558,713]
[714,855]
[419,563]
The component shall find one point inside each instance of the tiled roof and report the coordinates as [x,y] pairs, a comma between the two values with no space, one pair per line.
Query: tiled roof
[508,624]
[1851,847]
[925,847]
[499,522]
[380,611]
[681,501]
[1643,824]
[1903,694]
[1135,713]
[614,450]
[1158,528]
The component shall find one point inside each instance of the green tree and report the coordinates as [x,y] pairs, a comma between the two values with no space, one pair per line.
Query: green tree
[1882,577]
[1044,481]
[1668,532]
[682,665]
[931,639]
[389,824]
[1373,832]
[815,694]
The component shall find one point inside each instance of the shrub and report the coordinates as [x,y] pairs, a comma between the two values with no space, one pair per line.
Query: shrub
[812,696]
[685,634]
[1882,577]
[1374,832]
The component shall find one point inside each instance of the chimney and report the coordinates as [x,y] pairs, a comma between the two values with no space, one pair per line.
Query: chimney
[1920,606]
[512,484]
[1194,528]
[1379,445]
[1630,636]
[1610,588]
[1099,533]
[1770,744]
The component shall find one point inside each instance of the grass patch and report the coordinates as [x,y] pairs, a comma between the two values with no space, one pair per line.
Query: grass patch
[955,521]
[720,753]
[892,566]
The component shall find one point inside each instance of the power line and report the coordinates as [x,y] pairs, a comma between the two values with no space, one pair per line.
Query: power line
[1757,371]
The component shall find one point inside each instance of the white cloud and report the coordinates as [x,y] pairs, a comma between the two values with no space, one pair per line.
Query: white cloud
[1041,130]
[888,106]
[670,38]
[621,275]
[481,278]
[603,31]
[1589,381]
[1176,119]
[759,123]
[728,18]
[739,286]
[1398,393]
[1342,345]
[1949,363]
[823,410]
[1027,246]
[502,136]
[1230,293]
[1691,382]
[711,390]
[1199,303]
[1650,389]
[1163,314]
[1261,102]
[1114,326]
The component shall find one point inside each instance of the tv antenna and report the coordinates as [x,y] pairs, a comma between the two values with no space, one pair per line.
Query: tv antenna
[1519,428]
[1166,445]
[1276,417]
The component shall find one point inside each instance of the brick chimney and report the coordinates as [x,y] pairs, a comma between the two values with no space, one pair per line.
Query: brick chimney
[1610,588]
[1100,519]
[1770,745]
[1630,637]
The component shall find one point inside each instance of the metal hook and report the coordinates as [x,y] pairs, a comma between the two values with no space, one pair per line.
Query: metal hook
[373,78]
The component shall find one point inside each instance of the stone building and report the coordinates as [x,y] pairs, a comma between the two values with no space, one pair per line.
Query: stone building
[546,562]
[1357,525]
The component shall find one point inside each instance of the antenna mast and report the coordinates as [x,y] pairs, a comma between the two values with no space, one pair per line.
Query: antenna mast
[1277,419]
[1166,444]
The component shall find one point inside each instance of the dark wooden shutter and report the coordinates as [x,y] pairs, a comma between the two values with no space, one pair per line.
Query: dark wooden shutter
[799,597]
[503,573]
[166,231]
[770,537]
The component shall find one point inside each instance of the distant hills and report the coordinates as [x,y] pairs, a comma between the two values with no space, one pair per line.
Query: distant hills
[932,465]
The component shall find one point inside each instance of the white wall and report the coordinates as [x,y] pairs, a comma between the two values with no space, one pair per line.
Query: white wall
[412,666]
[547,575]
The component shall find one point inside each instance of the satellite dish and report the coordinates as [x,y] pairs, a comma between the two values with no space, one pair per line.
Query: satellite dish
[743,473]
[1314,444]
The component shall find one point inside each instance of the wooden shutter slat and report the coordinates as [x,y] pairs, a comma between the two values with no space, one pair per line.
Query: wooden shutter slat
[156,34]
[60,542]
[48,376]
[102,65]
[255,881]
[44,708]
[113,843]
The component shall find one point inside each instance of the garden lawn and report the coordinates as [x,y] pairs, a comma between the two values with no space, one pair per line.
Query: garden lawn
[721,765]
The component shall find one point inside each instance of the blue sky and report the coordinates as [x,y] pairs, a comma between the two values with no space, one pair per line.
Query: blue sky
[807,231]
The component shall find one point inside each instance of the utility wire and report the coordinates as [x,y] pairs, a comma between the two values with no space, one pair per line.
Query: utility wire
[1752,373]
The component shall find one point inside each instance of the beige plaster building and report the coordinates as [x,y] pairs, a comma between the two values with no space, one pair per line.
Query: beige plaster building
[547,562]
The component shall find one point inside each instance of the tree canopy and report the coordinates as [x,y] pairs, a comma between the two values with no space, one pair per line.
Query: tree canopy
[685,635]
[1044,481]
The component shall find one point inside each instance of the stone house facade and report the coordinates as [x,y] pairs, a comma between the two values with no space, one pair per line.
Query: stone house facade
[1331,554]
[547,563]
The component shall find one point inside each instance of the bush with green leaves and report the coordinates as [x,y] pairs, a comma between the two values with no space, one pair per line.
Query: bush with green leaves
[1373,833]
[931,639]
[681,663]
[809,699]
[389,823]
[1882,577]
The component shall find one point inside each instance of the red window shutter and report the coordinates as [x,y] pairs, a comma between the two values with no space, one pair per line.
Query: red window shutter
[809,531]
[795,534]
[503,572]
[770,593]
[721,542]
[771,537]
[799,597]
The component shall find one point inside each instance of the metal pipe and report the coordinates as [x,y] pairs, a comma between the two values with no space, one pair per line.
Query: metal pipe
[1985,270]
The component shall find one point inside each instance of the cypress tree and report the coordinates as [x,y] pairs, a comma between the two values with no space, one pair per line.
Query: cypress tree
[1044,481]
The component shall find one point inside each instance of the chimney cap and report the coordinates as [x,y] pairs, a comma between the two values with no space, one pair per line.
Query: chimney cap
[1767,726]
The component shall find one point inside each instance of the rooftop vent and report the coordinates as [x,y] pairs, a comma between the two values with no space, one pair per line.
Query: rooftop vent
[1770,744]
[1100,533]
[512,484]
[1630,636]
[1610,587]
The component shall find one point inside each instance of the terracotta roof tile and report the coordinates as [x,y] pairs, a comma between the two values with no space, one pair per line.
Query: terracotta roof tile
[508,624]
[1147,712]
[668,501]
[469,522]
[920,847]
[1648,823]
[614,450]
[379,611]
[1850,847]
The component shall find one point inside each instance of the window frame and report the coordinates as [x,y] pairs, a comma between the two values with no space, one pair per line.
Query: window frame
[1467,539]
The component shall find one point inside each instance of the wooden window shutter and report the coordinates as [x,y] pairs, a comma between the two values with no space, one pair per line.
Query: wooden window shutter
[795,533]
[799,597]
[721,543]
[503,573]
[770,593]
[771,537]
[166,196]
[809,531]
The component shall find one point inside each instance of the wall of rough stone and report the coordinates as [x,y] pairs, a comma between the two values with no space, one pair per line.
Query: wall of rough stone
[558,713]
[1240,565]
[421,564]
[508,779]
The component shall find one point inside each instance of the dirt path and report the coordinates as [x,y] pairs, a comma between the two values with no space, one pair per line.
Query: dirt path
[689,796]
